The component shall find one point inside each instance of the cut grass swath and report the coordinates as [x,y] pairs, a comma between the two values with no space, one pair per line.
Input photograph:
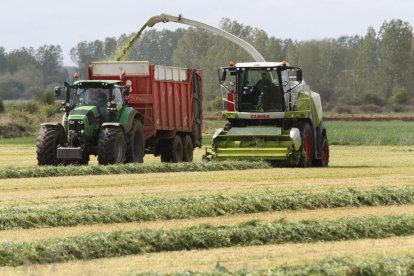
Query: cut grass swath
[192,207]
[330,266]
[50,171]
[92,246]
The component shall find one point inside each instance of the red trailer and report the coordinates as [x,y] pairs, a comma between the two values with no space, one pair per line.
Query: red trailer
[169,100]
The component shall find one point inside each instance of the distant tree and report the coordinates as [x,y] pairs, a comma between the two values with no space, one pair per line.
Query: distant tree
[19,58]
[110,47]
[395,48]
[50,59]
[10,88]
[86,52]
[3,60]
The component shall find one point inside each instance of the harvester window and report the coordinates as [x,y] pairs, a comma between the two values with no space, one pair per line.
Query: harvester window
[261,91]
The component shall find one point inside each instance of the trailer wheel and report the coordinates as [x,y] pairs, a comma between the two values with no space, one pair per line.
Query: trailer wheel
[188,149]
[306,155]
[177,149]
[324,161]
[135,144]
[48,140]
[172,150]
[111,146]
[165,150]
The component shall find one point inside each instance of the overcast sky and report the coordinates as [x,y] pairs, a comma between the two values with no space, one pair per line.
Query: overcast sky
[35,23]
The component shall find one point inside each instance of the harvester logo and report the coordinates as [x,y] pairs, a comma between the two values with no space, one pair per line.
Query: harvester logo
[260,116]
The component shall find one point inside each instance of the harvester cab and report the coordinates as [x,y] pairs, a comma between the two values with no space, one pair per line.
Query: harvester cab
[272,115]
[96,121]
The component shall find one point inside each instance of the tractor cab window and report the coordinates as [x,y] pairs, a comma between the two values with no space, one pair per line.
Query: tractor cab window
[260,90]
[92,97]
[118,98]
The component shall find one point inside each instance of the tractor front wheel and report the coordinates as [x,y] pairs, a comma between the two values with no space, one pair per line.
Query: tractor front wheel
[111,146]
[48,139]
[135,144]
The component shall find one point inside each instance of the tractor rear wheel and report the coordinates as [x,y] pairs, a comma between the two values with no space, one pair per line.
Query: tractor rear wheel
[172,150]
[324,161]
[306,155]
[135,143]
[111,146]
[188,149]
[48,139]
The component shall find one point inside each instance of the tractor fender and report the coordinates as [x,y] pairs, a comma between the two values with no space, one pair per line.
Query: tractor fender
[127,118]
[53,125]
[113,125]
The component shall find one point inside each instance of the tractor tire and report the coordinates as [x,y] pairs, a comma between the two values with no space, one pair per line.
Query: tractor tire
[172,150]
[48,139]
[324,161]
[135,144]
[306,155]
[111,146]
[187,149]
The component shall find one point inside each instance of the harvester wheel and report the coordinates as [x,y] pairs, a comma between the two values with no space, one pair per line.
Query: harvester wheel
[135,144]
[324,161]
[48,140]
[188,149]
[111,146]
[306,156]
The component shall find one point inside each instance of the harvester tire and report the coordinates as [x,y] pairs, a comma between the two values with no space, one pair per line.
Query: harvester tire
[135,143]
[324,161]
[187,149]
[172,150]
[111,146]
[306,155]
[48,139]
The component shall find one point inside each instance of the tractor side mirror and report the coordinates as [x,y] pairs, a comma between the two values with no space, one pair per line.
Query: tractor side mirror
[299,75]
[126,90]
[57,91]
[222,75]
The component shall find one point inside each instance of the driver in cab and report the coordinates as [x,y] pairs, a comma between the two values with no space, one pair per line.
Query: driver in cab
[263,83]
[97,97]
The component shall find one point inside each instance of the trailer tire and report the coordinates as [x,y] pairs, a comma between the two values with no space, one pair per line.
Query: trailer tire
[111,146]
[306,154]
[187,149]
[165,150]
[172,150]
[135,143]
[177,149]
[48,139]
[324,161]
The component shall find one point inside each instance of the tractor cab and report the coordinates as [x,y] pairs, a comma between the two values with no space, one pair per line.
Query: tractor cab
[104,95]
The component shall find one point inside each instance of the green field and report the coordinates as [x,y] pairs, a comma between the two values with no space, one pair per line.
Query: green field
[353,217]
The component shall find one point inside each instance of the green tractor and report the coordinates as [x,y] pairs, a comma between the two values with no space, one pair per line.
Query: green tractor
[97,121]
[272,115]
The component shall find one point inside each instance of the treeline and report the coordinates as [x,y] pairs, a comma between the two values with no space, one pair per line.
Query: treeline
[370,73]
[29,73]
